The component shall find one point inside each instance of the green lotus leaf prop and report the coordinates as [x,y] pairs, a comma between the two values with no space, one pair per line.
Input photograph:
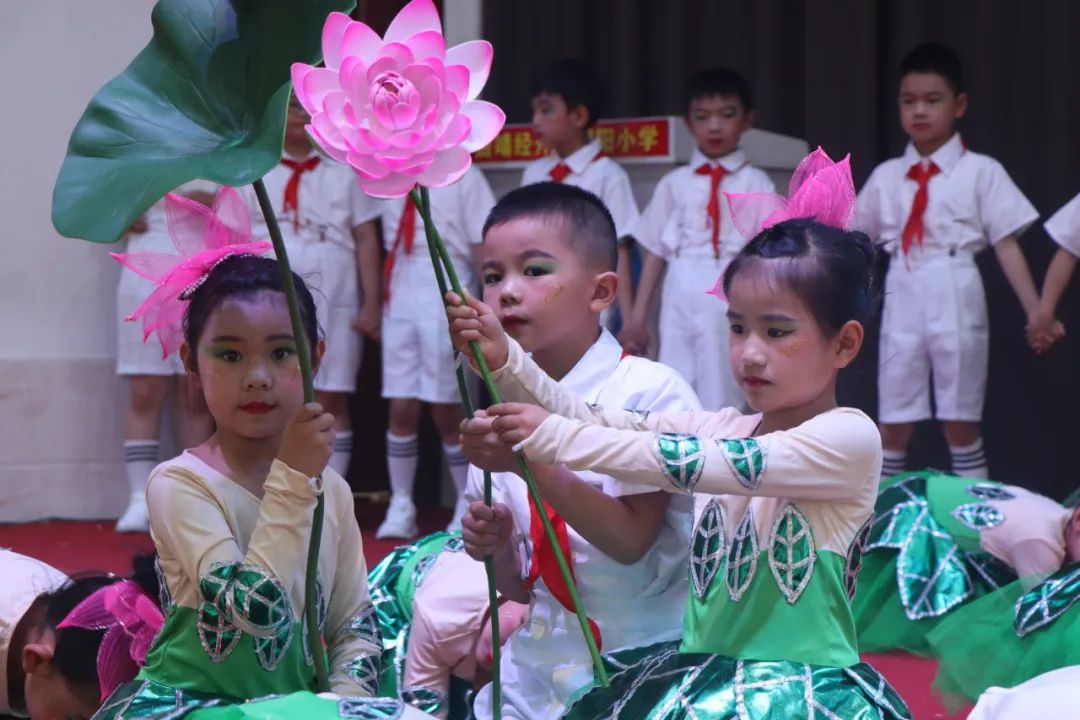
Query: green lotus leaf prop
[206,98]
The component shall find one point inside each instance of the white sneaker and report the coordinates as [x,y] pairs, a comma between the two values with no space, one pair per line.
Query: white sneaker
[136,518]
[400,522]
[459,511]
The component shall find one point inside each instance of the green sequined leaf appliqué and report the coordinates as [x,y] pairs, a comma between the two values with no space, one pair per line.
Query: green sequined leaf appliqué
[707,550]
[746,458]
[791,552]
[1047,601]
[271,650]
[931,575]
[431,701]
[259,599]
[988,491]
[364,626]
[370,708]
[217,633]
[978,516]
[854,559]
[681,459]
[364,670]
[742,557]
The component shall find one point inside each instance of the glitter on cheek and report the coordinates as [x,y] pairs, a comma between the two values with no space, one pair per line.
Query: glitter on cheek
[556,291]
[793,347]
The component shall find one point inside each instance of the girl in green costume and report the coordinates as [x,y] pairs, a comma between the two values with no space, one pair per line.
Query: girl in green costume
[231,518]
[938,541]
[431,603]
[768,631]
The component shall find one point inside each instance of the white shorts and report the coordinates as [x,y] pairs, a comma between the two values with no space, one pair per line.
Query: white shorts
[417,357]
[934,327]
[694,331]
[330,273]
[133,356]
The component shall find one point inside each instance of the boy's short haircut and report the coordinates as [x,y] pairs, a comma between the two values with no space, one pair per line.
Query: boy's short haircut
[719,81]
[591,228]
[577,83]
[938,59]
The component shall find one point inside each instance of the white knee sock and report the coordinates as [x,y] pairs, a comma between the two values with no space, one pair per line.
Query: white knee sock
[140,457]
[339,460]
[969,460]
[402,457]
[458,465]
[893,462]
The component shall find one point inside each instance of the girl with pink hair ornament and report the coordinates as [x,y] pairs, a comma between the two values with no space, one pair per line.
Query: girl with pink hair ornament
[232,517]
[768,629]
[65,644]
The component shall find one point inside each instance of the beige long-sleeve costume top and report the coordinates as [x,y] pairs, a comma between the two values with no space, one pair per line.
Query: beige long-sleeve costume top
[234,568]
[812,487]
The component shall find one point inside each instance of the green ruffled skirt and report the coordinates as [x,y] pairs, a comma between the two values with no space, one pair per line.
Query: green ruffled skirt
[392,585]
[147,699]
[660,683]
[922,560]
[1009,636]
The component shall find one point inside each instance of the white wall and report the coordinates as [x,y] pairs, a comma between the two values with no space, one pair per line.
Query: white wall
[60,402]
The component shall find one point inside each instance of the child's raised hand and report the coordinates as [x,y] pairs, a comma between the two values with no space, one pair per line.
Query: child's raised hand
[473,320]
[482,446]
[514,422]
[308,441]
[486,530]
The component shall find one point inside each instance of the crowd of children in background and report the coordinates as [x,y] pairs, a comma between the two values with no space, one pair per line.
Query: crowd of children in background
[742,604]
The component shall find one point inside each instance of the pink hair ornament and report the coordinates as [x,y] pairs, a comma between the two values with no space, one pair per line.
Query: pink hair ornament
[820,189]
[203,237]
[130,620]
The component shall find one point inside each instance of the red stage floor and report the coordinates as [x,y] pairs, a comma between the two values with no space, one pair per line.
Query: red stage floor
[80,546]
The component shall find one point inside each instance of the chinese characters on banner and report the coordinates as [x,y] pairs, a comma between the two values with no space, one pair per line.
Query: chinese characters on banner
[623,139]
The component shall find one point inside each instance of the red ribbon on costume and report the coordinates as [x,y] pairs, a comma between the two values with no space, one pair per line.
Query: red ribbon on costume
[292,188]
[560,172]
[544,565]
[406,233]
[716,173]
[914,229]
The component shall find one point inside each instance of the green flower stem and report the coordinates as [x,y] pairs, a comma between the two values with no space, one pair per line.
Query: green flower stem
[467,405]
[523,466]
[303,354]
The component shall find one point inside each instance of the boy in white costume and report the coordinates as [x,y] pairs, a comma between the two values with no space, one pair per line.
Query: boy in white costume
[567,100]
[151,377]
[418,361]
[687,227]
[328,227]
[934,209]
[549,253]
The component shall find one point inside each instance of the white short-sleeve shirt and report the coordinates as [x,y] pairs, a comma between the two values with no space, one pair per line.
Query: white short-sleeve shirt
[596,173]
[1064,226]
[676,220]
[972,201]
[330,204]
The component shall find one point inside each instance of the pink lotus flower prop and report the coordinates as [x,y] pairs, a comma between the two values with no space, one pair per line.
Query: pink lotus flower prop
[203,238]
[401,110]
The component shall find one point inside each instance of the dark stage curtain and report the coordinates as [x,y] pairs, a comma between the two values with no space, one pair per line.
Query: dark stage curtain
[825,71]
